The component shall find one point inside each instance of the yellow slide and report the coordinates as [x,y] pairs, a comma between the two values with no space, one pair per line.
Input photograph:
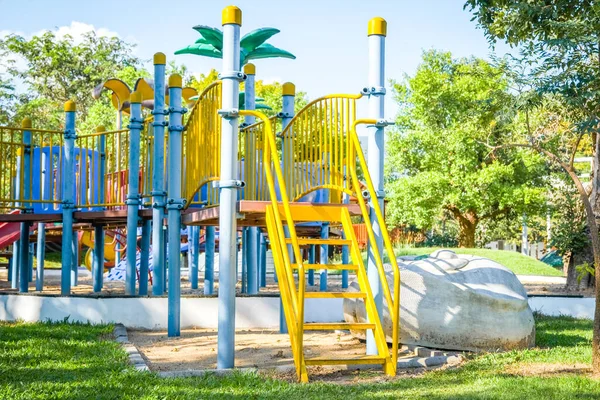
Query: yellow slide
[110,254]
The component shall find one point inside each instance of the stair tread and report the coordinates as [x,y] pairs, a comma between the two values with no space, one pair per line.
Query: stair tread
[335,295]
[321,241]
[348,267]
[349,360]
[322,326]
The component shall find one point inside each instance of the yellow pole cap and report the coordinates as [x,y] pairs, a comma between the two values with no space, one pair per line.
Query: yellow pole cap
[100,128]
[288,89]
[175,81]
[250,69]
[378,26]
[160,59]
[136,97]
[231,15]
[26,123]
[70,106]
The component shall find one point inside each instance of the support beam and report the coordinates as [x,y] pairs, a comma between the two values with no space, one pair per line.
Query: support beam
[145,258]
[194,254]
[98,262]
[209,261]
[324,257]
[25,195]
[68,197]
[40,255]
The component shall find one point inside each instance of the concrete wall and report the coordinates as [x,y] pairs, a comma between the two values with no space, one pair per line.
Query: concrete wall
[251,312]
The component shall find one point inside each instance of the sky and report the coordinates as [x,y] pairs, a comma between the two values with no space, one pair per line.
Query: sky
[328,37]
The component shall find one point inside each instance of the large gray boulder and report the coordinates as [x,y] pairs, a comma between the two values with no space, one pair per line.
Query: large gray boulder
[457,302]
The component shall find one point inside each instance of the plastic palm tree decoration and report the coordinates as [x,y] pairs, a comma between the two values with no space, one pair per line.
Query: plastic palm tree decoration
[252,45]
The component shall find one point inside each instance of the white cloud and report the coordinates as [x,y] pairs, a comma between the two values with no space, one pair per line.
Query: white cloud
[77,31]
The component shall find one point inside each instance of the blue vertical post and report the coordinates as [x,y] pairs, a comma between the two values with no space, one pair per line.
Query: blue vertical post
[228,185]
[45,159]
[244,278]
[75,262]
[263,260]
[26,195]
[376,90]
[209,260]
[30,267]
[175,203]
[324,256]
[145,258]
[194,255]
[311,260]
[14,272]
[133,197]
[158,177]
[345,251]
[68,197]
[98,262]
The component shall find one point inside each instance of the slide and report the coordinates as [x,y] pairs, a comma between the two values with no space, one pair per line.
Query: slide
[110,253]
[9,232]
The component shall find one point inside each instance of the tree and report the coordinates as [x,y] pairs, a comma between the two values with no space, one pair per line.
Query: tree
[439,161]
[58,70]
[561,41]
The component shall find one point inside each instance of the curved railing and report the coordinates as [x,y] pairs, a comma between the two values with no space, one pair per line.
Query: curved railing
[202,148]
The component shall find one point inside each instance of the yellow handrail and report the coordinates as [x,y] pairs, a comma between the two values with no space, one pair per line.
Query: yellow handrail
[393,305]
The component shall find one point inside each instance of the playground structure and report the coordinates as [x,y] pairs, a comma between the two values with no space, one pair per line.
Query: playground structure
[295,187]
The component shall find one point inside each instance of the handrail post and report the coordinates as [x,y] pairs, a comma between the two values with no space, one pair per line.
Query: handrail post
[133,197]
[376,90]
[175,204]
[25,196]
[68,197]
[228,187]
[158,177]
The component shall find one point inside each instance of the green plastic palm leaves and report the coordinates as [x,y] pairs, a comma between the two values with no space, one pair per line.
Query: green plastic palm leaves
[252,45]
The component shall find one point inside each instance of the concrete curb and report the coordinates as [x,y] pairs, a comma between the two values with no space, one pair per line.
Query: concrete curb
[201,372]
[135,357]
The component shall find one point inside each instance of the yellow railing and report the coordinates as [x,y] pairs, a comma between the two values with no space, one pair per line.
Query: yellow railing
[89,166]
[315,148]
[12,177]
[250,159]
[202,147]
[147,161]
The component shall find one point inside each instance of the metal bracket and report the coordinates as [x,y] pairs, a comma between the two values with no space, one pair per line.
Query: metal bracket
[380,194]
[285,115]
[132,200]
[229,114]
[382,123]
[136,123]
[229,184]
[176,204]
[176,128]
[28,210]
[237,75]
[159,112]
[163,124]
[158,204]
[155,193]
[68,205]
[244,125]
[373,90]
[70,134]
[177,110]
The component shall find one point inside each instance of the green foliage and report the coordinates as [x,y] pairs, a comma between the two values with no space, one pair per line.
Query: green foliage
[451,111]
[72,361]
[584,270]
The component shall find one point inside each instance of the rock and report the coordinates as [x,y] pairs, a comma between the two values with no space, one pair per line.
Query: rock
[456,302]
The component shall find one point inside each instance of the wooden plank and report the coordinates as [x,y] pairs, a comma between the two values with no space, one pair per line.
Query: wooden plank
[30,217]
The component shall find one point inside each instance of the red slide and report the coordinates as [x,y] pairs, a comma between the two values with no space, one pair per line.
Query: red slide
[9,232]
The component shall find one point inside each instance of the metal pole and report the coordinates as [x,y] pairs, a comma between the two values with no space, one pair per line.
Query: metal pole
[75,263]
[231,76]
[324,256]
[26,195]
[244,251]
[311,260]
[68,197]
[345,251]
[263,260]
[209,260]
[524,237]
[376,89]
[145,258]
[194,254]
[158,177]
[98,262]
[40,255]
[133,197]
[175,203]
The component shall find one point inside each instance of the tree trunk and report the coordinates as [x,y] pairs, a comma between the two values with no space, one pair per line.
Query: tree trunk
[467,223]
[574,280]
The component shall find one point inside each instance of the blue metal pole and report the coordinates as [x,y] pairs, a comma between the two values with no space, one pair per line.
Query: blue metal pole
[98,262]
[311,260]
[209,260]
[14,272]
[263,260]
[245,249]
[194,255]
[175,204]
[228,186]
[45,159]
[324,257]
[145,258]
[30,268]
[133,197]
[345,252]
[75,263]
[68,197]
[26,195]
[376,154]
[158,177]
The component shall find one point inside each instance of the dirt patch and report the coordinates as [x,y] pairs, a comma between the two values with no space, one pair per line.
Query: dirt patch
[555,289]
[548,369]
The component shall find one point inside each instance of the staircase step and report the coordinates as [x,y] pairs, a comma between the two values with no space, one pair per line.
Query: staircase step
[345,361]
[345,267]
[335,295]
[331,326]
[301,241]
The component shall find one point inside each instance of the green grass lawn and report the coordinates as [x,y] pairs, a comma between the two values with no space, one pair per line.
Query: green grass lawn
[516,262]
[63,361]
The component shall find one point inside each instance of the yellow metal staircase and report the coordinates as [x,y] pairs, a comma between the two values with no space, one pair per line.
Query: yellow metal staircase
[340,143]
